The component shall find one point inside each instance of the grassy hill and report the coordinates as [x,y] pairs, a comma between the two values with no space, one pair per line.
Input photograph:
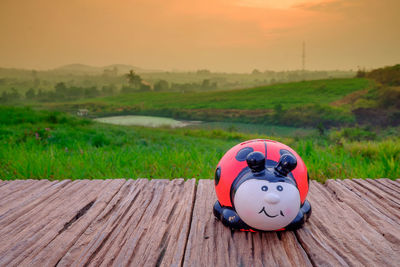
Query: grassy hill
[266,97]
[307,103]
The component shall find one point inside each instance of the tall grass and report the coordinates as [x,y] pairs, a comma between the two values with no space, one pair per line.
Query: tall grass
[48,145]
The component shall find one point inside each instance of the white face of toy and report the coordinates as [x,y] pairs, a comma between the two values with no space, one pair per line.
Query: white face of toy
[267,206]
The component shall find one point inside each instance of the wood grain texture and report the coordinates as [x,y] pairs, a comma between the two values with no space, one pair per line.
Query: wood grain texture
[27,234]
[346,230]
[212,244]
[14,186]
[163,223]
[146,223]
[24,195]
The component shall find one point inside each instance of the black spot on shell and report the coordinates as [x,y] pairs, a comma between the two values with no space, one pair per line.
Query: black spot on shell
[242,154]
[217,175]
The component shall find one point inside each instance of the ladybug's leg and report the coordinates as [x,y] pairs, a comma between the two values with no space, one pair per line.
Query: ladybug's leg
[306,209]
[217,210]
[301,218]
[229,217]
[297,222]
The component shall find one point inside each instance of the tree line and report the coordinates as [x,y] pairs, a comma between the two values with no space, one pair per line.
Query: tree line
[135,83]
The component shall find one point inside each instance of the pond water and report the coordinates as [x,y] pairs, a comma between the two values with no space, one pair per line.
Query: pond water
[148,121]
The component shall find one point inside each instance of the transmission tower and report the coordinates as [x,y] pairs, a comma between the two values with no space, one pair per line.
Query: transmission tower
[303,62]
[303,57]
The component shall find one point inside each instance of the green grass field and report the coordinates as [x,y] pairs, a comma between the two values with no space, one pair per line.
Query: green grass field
[266,97]
[54,145]
[307,103]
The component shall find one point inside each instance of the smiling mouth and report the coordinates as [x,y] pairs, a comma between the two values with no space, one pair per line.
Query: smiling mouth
[271,216]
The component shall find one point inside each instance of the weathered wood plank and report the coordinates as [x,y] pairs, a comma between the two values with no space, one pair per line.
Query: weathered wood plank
[146,223]
[370,210]
[15,186]
[9,213]
[24,195]
[72,230]
[339,233]
[142,222]
[3,183]
[392,185]
[212,244]
[375,197]
[395,183]
[28,234]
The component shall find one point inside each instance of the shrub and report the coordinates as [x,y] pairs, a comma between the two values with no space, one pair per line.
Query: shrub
[315,115]
[353,134]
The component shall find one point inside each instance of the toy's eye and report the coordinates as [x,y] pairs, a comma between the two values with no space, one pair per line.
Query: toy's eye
[264,188]
[279,188]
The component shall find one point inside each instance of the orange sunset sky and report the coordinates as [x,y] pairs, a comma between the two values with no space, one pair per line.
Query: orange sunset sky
[220,35]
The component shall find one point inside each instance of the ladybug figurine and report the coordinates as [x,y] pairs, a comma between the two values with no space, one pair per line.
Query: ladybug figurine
[262,185]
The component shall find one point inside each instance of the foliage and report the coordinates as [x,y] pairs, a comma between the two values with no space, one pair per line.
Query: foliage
[353,134]
[161,85]
[314,115]
[134,79]
[387,75]
[12,96]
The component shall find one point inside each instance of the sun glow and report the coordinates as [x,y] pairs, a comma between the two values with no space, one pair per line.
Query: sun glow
[281,4]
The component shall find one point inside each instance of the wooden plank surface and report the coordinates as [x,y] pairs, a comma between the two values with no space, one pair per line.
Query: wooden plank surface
[347,230]
[147,223]
[161,222]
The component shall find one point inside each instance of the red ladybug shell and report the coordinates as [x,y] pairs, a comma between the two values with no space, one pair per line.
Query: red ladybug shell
[230,167]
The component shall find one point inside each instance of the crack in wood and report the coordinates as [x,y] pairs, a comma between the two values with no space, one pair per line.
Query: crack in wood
[77,238]
[190,222]
[161,256]
[79,214]
[119,219]
[298,239]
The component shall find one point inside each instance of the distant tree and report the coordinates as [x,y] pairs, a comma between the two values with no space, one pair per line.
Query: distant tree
[30,94]
[110,72]
[134,79]
[256,71]
[108,89]
[205,84]
[11,96]
[14,94]
[161,85]
[145,87]
[361,73]
[36,81]
[74,92]
[4,97]
[91,92]
[60,88]
[203,72]
[115,71]
[60,91]
[40,93]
